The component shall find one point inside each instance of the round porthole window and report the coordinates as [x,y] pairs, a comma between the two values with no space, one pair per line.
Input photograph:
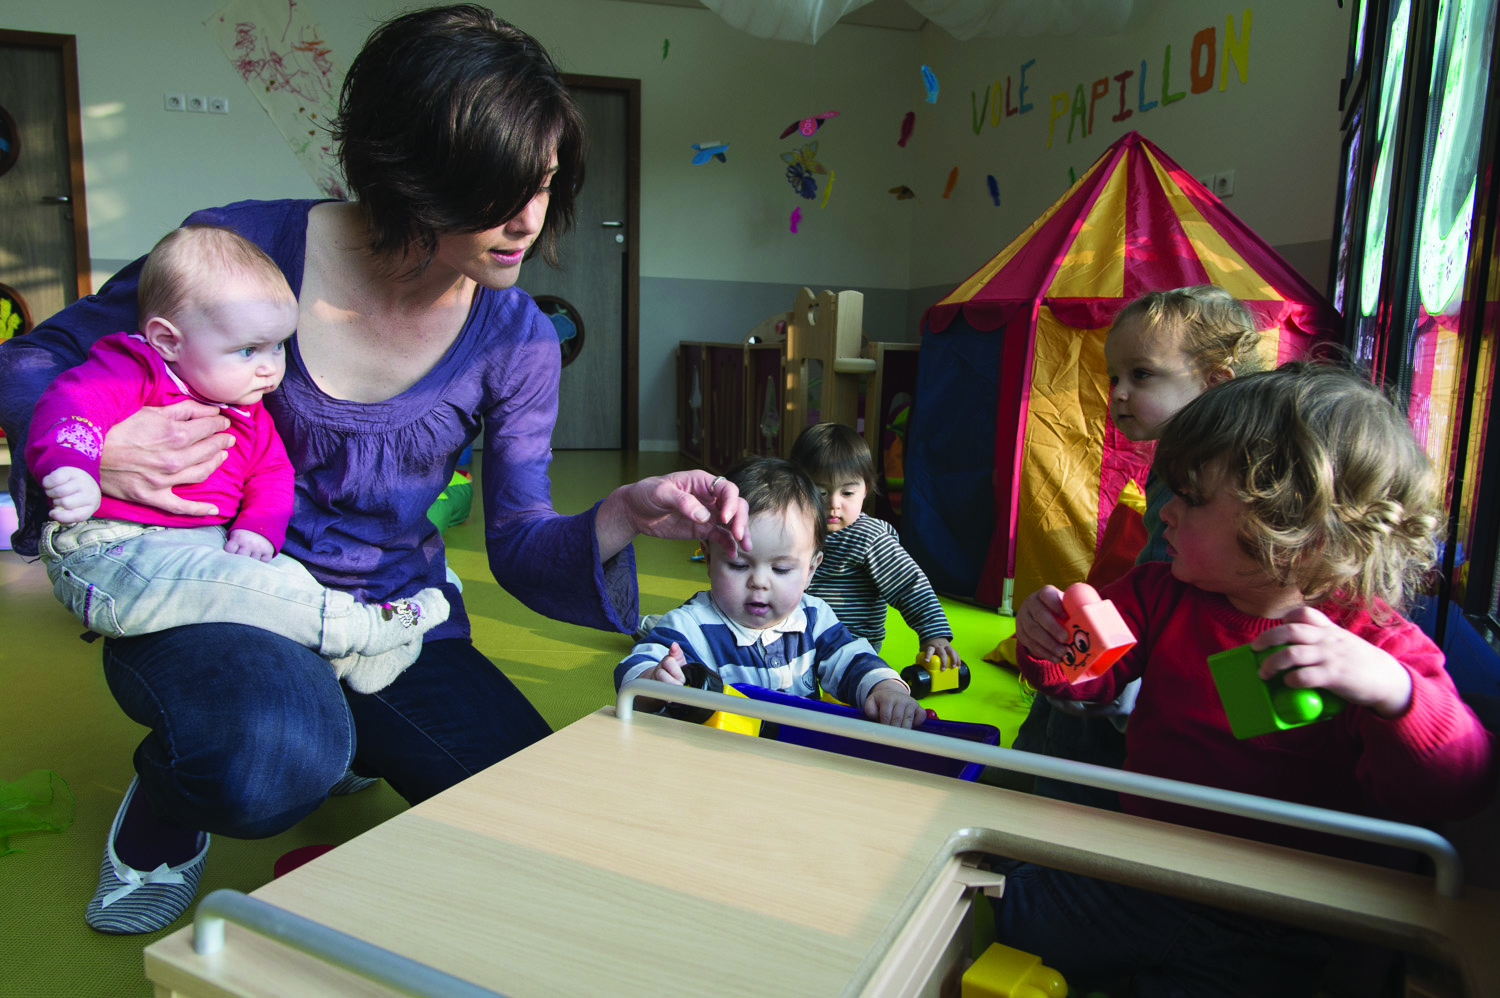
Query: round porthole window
[567,322]
[10,141]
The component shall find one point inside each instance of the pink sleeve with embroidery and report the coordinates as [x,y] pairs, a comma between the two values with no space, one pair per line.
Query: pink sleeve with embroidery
[81,405]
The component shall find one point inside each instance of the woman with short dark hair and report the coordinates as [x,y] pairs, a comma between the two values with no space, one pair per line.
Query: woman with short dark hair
[462,150]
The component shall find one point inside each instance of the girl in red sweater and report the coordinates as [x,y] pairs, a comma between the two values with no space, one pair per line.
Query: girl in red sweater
[1303,514]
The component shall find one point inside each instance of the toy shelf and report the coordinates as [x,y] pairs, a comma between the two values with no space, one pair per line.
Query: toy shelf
[796,368]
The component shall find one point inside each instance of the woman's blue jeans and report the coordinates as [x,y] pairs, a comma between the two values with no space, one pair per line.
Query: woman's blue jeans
[248,731]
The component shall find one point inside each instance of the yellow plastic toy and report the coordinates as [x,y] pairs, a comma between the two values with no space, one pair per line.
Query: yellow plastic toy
[933,678]
[1005,972]
[734,722]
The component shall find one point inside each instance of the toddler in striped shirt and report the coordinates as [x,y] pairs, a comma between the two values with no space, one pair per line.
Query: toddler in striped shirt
[864,567]
[756,624]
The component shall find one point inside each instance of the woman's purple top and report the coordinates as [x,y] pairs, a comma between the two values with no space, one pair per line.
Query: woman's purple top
[367,472]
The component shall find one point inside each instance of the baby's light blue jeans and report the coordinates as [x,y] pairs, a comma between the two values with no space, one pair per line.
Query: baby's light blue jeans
[123,579]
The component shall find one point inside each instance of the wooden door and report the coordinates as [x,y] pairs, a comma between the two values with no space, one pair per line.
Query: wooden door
[594,291]
[43,225]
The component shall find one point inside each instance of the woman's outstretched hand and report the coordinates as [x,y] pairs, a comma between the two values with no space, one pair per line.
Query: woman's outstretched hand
[685,505]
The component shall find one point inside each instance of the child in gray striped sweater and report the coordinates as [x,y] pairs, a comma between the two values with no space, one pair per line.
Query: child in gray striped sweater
[864,567]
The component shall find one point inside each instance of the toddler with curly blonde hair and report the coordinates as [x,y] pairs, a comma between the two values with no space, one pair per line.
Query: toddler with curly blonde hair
[1303,516]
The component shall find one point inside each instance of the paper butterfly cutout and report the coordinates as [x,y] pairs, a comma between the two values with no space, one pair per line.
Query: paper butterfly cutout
[929,80]
[807,126]
[796,217]
[907,124]
[904,193]
[705,151]
[994,189]
[800,169]
[952,179]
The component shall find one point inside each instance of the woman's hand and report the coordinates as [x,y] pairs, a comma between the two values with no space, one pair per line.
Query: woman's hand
[158,447]
[685,505]
[1323,655]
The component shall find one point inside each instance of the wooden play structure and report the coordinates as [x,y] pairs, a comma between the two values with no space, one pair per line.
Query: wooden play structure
[793,369]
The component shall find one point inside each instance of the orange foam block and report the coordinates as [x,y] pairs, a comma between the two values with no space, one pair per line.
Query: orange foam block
[1097,635]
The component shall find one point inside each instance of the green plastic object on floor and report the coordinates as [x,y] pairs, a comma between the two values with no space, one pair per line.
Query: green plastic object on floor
[453,503]
[40,801]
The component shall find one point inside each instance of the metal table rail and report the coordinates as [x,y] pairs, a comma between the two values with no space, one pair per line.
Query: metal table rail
[1448,868]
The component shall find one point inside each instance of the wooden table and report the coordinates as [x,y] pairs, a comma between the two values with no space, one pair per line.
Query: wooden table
[654,857]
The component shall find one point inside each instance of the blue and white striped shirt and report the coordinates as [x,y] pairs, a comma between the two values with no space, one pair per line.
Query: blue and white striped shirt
[781,657]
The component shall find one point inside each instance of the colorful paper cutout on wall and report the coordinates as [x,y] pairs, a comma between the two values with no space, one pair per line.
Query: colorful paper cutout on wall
[952,179]
[802,164]
[908,122]
[904,193]
[279,52]
[705,151]
[807,126]
[930,81]
[994,188]
[796,217]
[827,190]
[666,45]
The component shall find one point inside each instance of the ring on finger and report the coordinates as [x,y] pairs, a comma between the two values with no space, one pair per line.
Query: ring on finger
[715,483]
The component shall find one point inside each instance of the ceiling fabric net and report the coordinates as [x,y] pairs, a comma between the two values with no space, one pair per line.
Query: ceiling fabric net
[807,20]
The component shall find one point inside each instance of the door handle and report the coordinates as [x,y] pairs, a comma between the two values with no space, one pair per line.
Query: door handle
[612,225]
[55,199]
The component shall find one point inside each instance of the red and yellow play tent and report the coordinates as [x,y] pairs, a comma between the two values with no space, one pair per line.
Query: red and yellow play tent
[1012,466]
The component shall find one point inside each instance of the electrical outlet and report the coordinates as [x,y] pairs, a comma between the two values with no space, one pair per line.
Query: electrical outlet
[197,102]
[1224,184]
[1207,180]
[174,102]
[218,105]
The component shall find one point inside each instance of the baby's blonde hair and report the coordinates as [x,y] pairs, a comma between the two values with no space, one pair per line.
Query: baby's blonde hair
[187,266]
[1341,501]
[1218,331]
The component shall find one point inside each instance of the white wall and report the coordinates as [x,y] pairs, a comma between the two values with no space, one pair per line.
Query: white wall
[729,221]
[1278,131]
[146,168]
[726,223]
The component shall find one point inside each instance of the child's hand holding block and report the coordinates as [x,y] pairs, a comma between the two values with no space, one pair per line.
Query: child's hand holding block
[1256,706]
[933,678]
[1097,634]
